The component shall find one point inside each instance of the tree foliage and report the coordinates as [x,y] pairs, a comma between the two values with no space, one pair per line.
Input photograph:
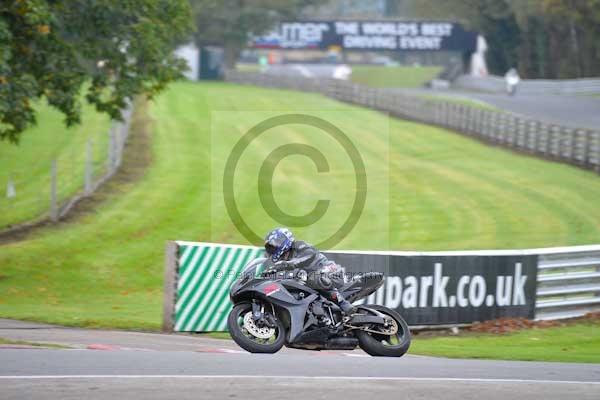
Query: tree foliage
[545,38]
[572,30]
[109,49]
[495,19]
[229,23]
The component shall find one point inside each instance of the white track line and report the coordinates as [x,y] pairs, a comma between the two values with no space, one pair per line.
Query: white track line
[289,377]
[355,355]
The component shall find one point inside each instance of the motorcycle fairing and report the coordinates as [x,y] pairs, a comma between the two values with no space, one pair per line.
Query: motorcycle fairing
[276,293]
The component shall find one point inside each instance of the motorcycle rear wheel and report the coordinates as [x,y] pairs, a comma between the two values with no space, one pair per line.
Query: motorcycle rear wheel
[381,345]
[244,336]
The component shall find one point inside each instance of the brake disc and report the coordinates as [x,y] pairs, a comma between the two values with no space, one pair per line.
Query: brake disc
[391,329]
[262,333]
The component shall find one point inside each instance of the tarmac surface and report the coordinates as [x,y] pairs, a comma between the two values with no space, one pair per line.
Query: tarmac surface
[573,111]
[101,364]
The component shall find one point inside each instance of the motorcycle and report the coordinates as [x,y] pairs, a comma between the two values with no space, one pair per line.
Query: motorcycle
[272,311]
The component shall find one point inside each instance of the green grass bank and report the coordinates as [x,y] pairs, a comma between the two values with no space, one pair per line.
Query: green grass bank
[432,190]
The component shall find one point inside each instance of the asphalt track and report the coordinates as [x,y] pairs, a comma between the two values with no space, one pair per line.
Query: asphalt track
[573,111]
[131,365]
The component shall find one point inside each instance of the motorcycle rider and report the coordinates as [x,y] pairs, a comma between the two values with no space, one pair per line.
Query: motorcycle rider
[285,253]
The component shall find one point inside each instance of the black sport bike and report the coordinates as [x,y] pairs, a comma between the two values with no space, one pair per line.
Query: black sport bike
[272,311]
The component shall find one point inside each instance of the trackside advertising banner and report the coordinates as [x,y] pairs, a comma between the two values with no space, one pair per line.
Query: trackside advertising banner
[432,290]
[426,288]
[369,35]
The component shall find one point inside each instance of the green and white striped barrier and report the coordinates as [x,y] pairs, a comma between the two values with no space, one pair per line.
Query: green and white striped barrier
[197,293]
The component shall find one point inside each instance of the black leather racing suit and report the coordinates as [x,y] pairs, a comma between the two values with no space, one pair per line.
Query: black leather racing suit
[323,275]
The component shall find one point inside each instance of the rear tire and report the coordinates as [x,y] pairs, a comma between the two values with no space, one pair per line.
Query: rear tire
[245,339]
[377,345]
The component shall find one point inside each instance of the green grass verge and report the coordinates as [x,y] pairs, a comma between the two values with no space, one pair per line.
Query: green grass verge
[380,76]
[27,164]
[248,67]
[444,191]
[25,343]
[218,335]
[572,343]
[461,101]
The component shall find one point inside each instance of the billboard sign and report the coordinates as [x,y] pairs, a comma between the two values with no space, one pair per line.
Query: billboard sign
[450,289]
[369,35]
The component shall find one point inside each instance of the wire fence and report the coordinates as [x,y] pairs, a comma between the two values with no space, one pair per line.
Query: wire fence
[580,147]
[49,190]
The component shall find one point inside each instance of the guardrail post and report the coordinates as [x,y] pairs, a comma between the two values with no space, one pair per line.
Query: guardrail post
[532,140]
[501,128]
[111,149]
[553,141]
[577,142]
[513,123]
[118,142]
[53,193]
[521,134]
[565,140]
[594,143]
[547,139]
[479,116]
[88,167]
[587,143]
[170,290]
[485,133]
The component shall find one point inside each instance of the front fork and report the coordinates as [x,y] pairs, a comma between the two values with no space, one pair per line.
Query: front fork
[262,318]
[257,310]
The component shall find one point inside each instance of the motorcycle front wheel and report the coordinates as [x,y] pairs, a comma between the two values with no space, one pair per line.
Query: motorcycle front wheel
[252,337]
[385,344]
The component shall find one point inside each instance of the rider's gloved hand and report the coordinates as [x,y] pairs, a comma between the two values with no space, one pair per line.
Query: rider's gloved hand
[277,267]
[280,265]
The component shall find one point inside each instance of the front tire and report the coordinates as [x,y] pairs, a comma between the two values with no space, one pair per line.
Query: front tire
[381,345]
[246,336]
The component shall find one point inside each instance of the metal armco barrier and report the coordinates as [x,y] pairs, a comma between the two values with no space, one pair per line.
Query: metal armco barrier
[568,282]
[427,288]
[580,147]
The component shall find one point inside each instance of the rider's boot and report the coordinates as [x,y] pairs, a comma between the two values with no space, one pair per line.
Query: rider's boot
[344,304]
